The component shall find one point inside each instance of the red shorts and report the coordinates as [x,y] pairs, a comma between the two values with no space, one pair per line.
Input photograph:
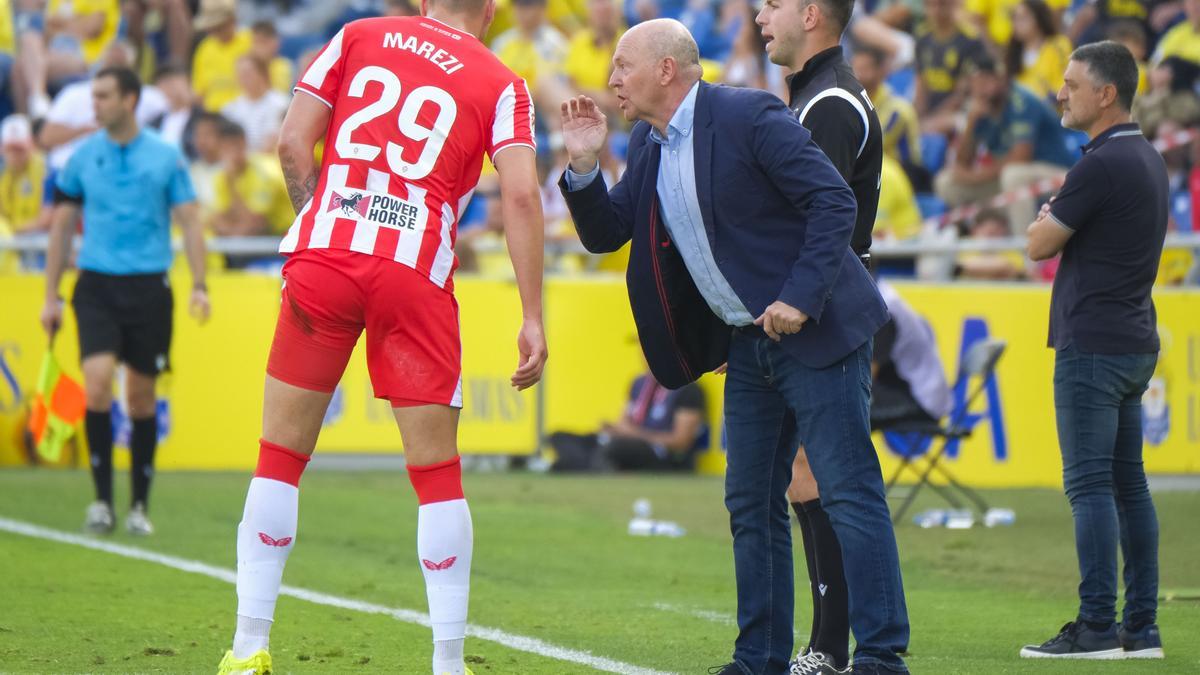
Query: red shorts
[414,354]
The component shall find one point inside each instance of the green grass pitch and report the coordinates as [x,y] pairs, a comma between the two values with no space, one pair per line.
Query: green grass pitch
[552,562]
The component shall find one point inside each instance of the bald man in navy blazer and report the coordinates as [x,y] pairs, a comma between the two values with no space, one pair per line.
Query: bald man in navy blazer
[740,229]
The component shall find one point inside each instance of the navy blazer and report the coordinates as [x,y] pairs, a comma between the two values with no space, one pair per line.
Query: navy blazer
[779,219]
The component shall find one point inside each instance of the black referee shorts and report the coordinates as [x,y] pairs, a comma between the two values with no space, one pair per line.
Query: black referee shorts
[127,315]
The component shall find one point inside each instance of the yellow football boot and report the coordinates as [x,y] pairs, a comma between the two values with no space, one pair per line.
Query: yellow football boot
[259,663]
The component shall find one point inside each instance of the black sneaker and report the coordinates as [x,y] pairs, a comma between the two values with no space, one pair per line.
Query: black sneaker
[727,669]
[815,663]
[1077,641]
[1146,643]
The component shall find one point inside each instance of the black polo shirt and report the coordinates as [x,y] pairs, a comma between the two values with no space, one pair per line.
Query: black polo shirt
[1115,200]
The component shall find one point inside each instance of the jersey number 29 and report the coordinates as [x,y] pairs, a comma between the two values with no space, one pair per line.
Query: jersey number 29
[434,138]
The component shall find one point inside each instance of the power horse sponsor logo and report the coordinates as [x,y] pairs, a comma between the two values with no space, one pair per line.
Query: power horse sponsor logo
[377,208]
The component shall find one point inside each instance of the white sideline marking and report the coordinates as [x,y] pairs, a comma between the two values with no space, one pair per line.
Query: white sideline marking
[510,640]
[707,615]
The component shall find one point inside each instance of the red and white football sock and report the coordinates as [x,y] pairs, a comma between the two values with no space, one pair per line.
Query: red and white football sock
[265,538]
[444,543]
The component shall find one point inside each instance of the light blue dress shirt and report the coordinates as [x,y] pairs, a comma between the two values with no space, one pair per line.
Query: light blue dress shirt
[681,212]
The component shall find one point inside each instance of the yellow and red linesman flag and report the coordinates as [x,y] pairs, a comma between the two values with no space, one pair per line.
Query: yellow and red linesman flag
[58,405]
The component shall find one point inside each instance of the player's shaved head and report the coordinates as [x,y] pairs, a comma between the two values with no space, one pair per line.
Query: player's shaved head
[658,39]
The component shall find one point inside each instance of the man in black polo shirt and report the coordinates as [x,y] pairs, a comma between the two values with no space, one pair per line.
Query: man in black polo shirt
[1109,220]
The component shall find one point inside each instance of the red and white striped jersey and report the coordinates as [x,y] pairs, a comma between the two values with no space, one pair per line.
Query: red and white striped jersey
[415,103]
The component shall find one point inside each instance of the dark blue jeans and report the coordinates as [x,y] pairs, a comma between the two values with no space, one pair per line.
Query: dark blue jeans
[1098,401]
[773,404]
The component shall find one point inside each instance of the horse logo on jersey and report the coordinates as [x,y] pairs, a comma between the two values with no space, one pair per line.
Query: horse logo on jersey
[349,205]
[377,208]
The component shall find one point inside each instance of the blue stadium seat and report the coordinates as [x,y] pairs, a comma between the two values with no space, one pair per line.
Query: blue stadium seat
[930,205]
[904,83]
[1181,209]
[618,144]
[1075,141]
[294,46]
[933,151]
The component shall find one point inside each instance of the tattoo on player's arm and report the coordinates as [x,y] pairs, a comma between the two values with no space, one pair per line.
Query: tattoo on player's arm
[300,188]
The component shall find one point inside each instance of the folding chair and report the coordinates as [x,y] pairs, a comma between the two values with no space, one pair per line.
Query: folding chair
[978,364]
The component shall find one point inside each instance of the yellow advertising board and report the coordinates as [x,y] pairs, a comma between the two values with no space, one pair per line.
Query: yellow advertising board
[212,398]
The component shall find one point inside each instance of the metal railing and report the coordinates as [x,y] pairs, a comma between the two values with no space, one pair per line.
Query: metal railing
[266,246]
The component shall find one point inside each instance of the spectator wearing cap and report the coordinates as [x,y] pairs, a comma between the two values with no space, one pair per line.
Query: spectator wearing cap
[1109,222]
[22,179]
[259,109]
[214,66]
[1022,143]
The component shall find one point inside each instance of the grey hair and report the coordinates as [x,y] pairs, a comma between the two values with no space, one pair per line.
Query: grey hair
[1110,62]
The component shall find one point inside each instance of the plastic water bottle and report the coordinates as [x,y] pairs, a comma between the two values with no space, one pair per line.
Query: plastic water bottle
[997,517]
[930,518]
[641,525]
[667,528]
[960,519]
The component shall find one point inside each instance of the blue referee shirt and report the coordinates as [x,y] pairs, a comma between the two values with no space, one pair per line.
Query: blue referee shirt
[127,192]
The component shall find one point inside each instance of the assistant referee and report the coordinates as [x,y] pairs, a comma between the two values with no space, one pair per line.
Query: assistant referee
[127,182]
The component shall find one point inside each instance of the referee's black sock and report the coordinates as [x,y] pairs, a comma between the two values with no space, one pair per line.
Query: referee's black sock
[143,440]
[100,446]
[811,560]
[834,637]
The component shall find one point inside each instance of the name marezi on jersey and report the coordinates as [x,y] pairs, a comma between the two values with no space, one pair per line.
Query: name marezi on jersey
[392,212]
[438,57]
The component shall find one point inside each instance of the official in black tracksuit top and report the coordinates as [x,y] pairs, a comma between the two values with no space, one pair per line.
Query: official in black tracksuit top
[831,103]
[835,108]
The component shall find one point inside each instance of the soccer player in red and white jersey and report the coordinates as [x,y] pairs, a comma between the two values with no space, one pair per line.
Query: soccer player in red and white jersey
[407,106]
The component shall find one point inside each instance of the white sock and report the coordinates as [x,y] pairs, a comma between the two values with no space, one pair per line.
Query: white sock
[444,542]
[265,538]
[251,636]
[448,657]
